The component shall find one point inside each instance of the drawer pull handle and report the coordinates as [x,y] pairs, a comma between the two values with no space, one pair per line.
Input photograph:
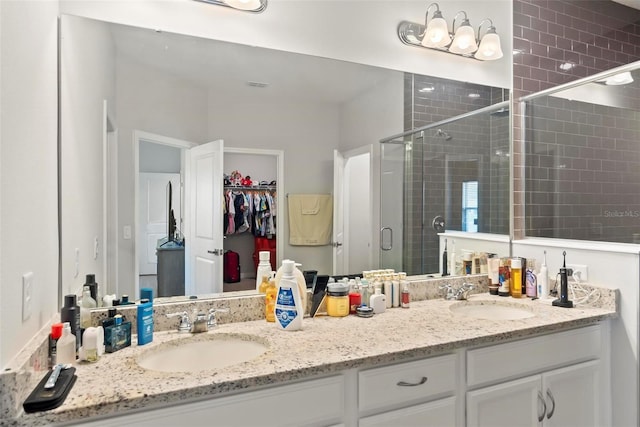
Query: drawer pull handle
[406,384]
[553,404]
[544,406]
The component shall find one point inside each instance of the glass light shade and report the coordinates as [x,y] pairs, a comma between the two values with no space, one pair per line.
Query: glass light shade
[619,79]
[489,48]
[244,4]
[464,41]
[437,34]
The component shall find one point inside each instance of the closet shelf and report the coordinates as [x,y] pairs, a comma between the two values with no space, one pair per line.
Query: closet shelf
[251,187]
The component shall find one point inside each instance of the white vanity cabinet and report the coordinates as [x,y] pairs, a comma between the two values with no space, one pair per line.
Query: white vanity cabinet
[558,381]
[420,393]
[317,402]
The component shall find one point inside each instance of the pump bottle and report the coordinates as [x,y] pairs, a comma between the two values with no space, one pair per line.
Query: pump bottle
[289,309]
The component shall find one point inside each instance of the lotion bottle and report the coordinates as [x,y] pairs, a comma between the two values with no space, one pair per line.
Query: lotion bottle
[378,301]
[66,346]
[289,309]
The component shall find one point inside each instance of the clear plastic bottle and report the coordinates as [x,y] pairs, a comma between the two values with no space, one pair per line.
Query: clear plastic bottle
[264,268]
[86,305]
[66,346]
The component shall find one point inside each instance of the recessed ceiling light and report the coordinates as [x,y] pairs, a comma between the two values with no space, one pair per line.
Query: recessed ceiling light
[257,84]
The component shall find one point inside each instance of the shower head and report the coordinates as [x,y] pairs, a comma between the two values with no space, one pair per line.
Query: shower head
[443,134]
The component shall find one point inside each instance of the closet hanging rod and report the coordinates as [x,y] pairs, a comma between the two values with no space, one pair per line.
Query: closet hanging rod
[251,187]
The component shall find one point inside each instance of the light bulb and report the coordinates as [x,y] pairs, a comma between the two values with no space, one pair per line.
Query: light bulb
[436,34]
[489,48]
[464,41]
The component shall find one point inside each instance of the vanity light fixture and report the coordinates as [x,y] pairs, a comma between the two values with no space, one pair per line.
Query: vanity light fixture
[461,40]
[618,79]
[255,6]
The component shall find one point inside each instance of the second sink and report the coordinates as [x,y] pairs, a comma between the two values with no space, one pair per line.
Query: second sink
[202,353]
[490,310]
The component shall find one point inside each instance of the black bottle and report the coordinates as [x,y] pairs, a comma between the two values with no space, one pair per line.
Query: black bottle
[71,313]
[93,288]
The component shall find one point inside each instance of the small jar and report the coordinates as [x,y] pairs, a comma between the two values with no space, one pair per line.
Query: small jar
[338,299]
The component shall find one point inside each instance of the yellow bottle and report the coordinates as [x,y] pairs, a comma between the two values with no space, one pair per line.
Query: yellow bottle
[516,278]
[264,285]
[270,301]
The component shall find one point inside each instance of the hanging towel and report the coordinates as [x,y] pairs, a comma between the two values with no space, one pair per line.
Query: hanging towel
[310,219]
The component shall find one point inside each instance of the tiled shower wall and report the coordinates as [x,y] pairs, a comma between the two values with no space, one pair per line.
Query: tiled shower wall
[478,147]
[592,36]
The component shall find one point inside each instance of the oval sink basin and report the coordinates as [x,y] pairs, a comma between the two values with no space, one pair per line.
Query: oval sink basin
[490,311]
[202,353]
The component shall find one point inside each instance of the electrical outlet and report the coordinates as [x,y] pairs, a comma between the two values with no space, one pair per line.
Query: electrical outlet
[580,272]
[27,295]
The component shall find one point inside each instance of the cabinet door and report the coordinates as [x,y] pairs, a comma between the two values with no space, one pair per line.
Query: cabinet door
[573,396]
[439,413]
[511,404]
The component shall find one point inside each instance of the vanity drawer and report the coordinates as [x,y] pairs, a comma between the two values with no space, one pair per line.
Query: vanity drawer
[407,383]
[533,355]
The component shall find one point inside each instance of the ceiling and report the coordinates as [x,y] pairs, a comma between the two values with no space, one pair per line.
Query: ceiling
[227,67]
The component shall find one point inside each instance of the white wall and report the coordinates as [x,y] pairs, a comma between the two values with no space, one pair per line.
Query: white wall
[152,102]
[307,132]
[352,30]
[365,120]
[613,266]
[87,80]
[28,168]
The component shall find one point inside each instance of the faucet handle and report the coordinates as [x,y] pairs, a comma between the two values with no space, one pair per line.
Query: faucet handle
[185,323]
[449,288]
[211,320]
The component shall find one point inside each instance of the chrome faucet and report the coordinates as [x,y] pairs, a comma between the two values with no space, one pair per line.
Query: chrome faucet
[461,293]
[202,322]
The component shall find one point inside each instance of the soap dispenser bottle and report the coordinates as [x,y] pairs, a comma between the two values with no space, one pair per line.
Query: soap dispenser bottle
[264,269]
[289,309]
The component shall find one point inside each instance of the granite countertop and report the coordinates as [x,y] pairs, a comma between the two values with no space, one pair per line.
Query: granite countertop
[325,345]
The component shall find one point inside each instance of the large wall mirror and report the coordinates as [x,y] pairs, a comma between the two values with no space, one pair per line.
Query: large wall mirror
[583,159]
[133,99]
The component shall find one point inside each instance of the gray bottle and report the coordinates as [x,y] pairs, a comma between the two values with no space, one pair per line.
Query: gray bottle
[71,313]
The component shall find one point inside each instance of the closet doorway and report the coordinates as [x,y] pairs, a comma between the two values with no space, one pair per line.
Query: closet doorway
[257,176]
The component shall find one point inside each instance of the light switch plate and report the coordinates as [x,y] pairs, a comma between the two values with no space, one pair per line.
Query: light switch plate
[27,295]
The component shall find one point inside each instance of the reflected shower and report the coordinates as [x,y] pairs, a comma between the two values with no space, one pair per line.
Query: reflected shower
[443,134]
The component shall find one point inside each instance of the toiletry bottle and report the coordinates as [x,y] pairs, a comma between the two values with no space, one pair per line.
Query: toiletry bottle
[494,275]
[289,309]
[264,284]
[118,335]
[93,286]
[452,269]
[89,349]
[364,292]
[264,268]
[54,336]
[146,293]
[504,277]
[144,321]
[86,304]
[70,313]
[125,300]
[388,291]
[516,278]
[270,301]
[445,261]
[299,277]
[406,297]
[66,346]
[378,301]
[395,290]
[531,279]
[543,279]
[355,298]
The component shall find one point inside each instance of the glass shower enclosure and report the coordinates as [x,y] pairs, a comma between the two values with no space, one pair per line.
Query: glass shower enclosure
[449,175]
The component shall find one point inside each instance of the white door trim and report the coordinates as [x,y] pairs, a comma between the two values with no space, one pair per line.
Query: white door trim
[139,136]
[280,200]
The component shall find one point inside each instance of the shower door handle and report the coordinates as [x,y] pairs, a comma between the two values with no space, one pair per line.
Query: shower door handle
[382,246]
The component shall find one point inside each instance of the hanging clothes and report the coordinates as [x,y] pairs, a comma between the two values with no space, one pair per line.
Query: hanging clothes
[249,211]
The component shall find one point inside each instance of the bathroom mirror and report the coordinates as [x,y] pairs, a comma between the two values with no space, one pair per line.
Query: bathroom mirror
[582,164]
[119,79]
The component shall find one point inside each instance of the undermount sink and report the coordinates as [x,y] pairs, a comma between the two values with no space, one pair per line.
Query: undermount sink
[202,353]
[490,310]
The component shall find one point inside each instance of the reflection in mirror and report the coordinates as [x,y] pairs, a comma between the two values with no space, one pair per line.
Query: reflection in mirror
[119,80]
[583,159]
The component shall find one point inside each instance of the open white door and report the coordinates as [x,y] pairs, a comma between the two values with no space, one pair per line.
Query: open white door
[338,213]
[203,206]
